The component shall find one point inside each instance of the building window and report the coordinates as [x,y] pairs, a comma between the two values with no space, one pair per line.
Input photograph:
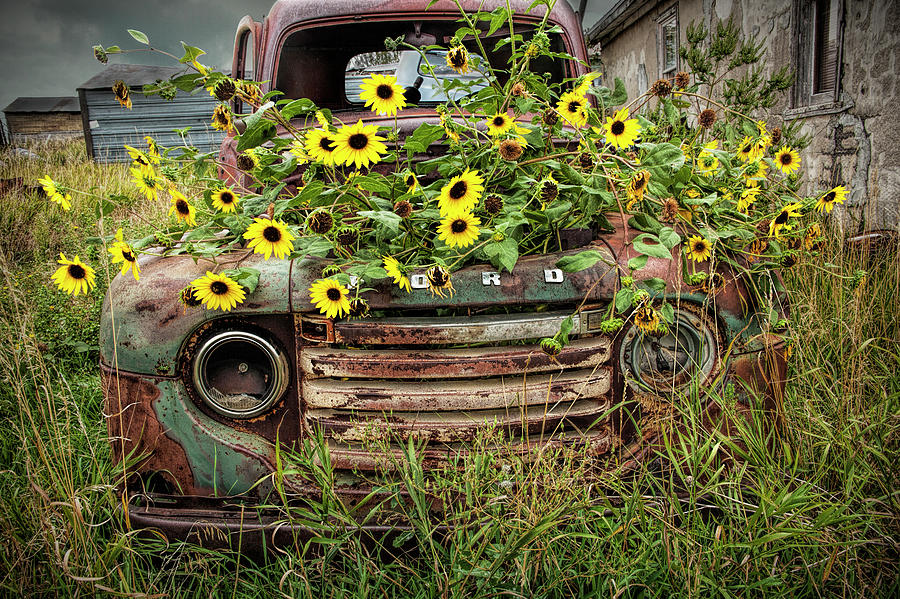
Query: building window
[818,52]
[667,42]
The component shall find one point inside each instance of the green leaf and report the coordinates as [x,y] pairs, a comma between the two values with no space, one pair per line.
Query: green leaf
[503,254]
[620,94]
[140,36]
[668,237]
[313,246]
[246,277]
[190,53]
[644,222]
[662,159]
[579,261]
[653,284]
[388,222]
[623,300]
[704,201]
[672,114]
[258,131]
[424,135]
[295,107]
[565,327]
[667,312]
[638,262]
[650,245]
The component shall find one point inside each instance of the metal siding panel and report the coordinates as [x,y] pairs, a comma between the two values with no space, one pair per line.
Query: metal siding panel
[116,126]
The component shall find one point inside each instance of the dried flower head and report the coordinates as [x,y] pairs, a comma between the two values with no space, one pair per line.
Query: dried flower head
[122,94]
[550,117]
[510,149]
[519,90]
[661,88]
[225,90]
[707,118]
[551,346]
[359,308]
[187,298]
[669,212]
[586,161]
[549,190]
[245,162]
[320,222]
[682,79]
[493,204]
[403,209]
[776,135]
[347,235]
[100,54]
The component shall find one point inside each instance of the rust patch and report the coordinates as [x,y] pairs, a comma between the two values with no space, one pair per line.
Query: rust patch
[135,432]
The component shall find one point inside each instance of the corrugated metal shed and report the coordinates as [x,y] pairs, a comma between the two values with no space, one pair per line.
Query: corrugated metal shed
[108,126]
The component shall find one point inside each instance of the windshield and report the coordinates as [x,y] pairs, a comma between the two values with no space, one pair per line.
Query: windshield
[328,63]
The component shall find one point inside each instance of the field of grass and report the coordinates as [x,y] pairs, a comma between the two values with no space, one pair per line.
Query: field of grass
[813,512]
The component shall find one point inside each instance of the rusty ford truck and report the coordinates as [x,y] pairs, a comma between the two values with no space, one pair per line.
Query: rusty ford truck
[198,402]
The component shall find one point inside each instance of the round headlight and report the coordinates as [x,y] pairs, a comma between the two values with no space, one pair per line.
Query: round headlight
[239,374]
[688,354]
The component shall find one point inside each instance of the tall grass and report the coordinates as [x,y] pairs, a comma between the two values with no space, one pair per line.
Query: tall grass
[813,512]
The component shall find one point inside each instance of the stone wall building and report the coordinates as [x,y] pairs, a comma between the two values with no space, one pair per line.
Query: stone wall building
[43,117]
[845,56]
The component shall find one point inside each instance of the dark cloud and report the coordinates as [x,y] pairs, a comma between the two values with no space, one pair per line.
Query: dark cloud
[46,44]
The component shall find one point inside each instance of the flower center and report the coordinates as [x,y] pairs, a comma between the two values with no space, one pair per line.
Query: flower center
[218,287]
[128,255]
[575,106]
[227,197]
[699,246]
[458,190]
[358,141]
[76,271]
[781,218]
[333,294]
[829,197]
[459,226]
[617,128]
[272,234]
[326,144]
[410,181]
[786,159]
[499,121]
[384,91]
[458,58]
[182,207]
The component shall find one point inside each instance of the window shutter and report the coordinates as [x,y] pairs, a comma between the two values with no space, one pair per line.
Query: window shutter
[826,46]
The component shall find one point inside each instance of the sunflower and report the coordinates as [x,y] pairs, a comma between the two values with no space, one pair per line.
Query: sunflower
[147,181]
[638,185]
[439,281]
[646,318]
[499,124]
[747,150]
[218,292]
[224,200]
[221,119]
[585,84]
[707,163]
[320,146]
[458,59]
[357,144]
[748,197]
[247,161]
[122,96]
[698,248]
[781,221]
[269,237]
[152,149]
[138,157]
[51,188]
[834,196]
[510,150]
[383,94]
[755,170]
[573,108]
[411,182]
[395,271]
[814,239]
[182,208]
[787,159]
[330,297]
[122,252]
[74,276]
[461,193]
[459,230]
[620,130]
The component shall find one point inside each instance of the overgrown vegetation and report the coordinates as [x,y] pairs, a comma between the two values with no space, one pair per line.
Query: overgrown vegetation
[812,511]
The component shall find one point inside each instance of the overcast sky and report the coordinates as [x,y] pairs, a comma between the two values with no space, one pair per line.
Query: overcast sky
[46,44]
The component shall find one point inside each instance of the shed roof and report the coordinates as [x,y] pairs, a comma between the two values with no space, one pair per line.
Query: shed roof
[44,104]
[132,74]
